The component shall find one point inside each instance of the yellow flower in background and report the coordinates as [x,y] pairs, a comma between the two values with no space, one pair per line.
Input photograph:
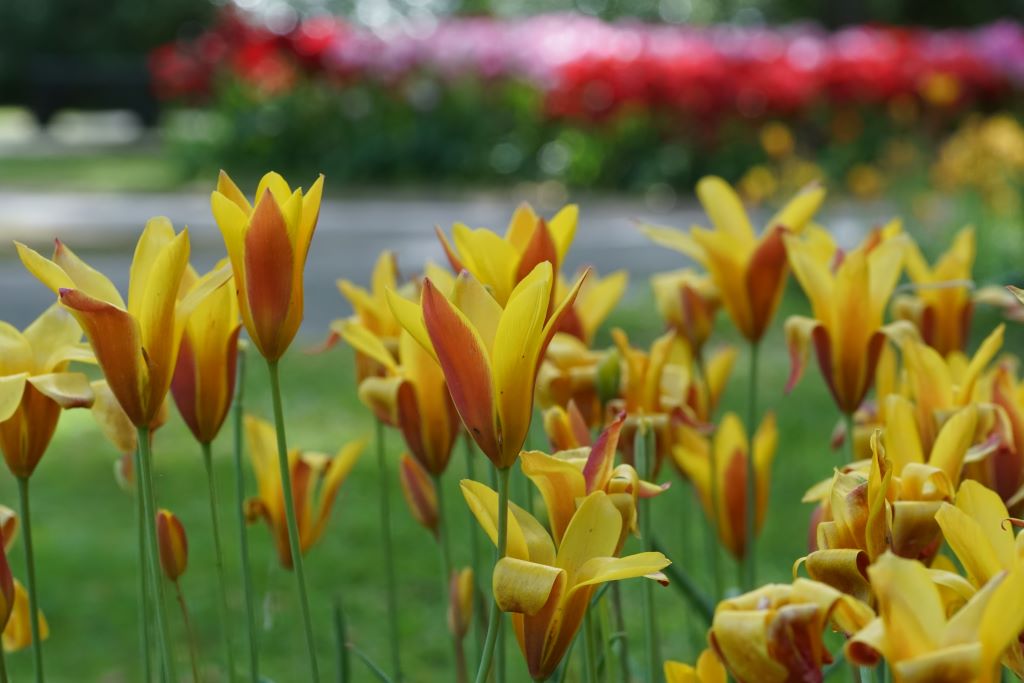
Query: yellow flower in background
[709,669]
[917,638]
[942,304]
[596,300]
[567,477]
[848,301]
[774,633]
[35,385]
[489,354]
[547,588]
[136,345]
[569,374]
[267,245]
[15,615]
[460,602]
[566,428]
[727,451]
[419,492]
[172,544]
[502,262]
[115,423]
[749,271]
[315,479]
[688,301]
[204,376]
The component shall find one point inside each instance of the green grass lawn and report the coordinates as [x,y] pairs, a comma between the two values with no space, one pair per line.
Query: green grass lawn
[84,529]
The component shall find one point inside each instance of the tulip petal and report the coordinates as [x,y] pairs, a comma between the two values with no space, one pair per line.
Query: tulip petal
[604,569]
[527,538]
[156,237]
[67,389]
[593,532]
[365,342]
[338,469]
[85,277]
[12,388]
[524,587]
[674,239]
[539,249]
[269,269]
[725,209]
[765,278]
[419,492]
[470,297]
[799,210]
[560,484]
[410,316]
[45,270]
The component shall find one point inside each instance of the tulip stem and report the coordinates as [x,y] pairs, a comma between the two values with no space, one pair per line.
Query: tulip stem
[340,637]
[850,447]
[3,667]
[30,562]
[219,561]
[446,574]
[145,480]
[193,648]
[243,534]
[289,509]
[620,628]
[494,622]
[749,572]
[389,560]
[589,665]
[499,653]
[140,522]
[644,447]
[474,552]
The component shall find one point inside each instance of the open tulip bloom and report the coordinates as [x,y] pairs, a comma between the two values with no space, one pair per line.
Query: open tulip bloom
[547,587]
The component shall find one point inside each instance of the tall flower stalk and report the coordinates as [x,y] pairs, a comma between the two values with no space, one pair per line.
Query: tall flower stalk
[243,534]
[384,509]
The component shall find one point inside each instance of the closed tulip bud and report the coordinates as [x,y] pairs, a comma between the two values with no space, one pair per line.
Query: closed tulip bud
[460,602]
[609,377]
[173,544]
[420,494]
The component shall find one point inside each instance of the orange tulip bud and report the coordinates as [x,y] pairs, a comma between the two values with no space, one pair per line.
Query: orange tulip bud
[460,602]
[419,492]
[172,543]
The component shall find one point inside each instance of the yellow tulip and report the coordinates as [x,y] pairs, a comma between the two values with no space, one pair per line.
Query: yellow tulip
[750,272]
[688,301]
[172,543]
[566,428]
[136,345]
[848,302]
[35,385]
[727,453]
[204,376]
[547,588]
[942,304]
[774,633]
[502,262]
[1003,470]
[315,480]
[14,602]
[921,642]
[17,633]
[569,373]
[489,354]
[267,245]
[709,669]
[412,395]
[567,477]
[597,298]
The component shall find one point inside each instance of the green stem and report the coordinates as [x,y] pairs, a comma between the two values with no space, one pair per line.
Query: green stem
[444,544]
[474,553]
[850,447]
[243,533]
[589,665]
[496,614]
[219,561]
[193,648]
[293,527]
[140,524]
[645,456]
[389,560]
[3,667]
[370,664]
[30,562]
[344,665]
[750,507]
[607,636]
[145,480]
[620,628]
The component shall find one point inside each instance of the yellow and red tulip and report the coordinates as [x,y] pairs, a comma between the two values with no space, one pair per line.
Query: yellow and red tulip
[547,588]
[315,480]
[569,374]
[136,345]
[749,271]
[597,299]
[172,544]
[774,633]
[489,354]
[709,669]
[419,492]
[35,385]
[923,643]
[727,452]
[566,427]
[688,302]
[267,244]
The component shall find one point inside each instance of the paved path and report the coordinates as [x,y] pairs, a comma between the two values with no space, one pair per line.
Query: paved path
[352,231]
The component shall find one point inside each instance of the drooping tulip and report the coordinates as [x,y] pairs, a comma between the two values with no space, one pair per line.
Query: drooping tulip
[489,354]
[35,385]
[136,345]
[315,480]
[547,588]
[749,271]
[267,243]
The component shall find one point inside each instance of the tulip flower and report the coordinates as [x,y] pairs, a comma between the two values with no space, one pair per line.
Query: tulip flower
[17,634]
[942,304]
[35,385]
[419,492]
[315,479]
[547,588]
[774,634]
[709,669]
[727,452]
[568,374]
[920,642]
[1003,470]
[688,302]
[173,544]
[566,428]
[596,300]
[501,263]
[204,375]
[489,354]
[267,244]
[749,272]
[848,302]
